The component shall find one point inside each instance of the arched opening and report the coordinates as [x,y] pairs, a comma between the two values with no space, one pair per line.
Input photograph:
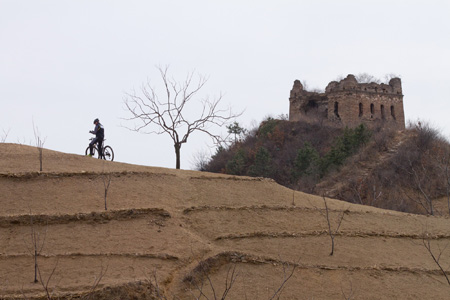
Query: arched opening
[393,112]
[383,116]
[361,110]
[336,110]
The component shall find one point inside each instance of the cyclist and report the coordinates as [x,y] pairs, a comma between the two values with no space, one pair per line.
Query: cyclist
[99,132]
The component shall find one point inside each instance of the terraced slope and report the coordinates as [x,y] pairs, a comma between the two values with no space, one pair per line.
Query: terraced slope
[180,233]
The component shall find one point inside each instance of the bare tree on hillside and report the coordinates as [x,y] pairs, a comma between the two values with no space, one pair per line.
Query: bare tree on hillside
[365,191]
[45,283]
[91,295]
[4,135]
[443,161]
[418,167]
[106,178]
[37,244]
[39,144]
[331,232]
[426,241]
[423,189]
[350,294]
[202,281]
[200,284]
[200,160]
[170,114]
[287,274]
[154,282]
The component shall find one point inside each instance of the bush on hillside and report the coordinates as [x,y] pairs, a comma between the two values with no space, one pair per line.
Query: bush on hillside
[404,172]
[288,151]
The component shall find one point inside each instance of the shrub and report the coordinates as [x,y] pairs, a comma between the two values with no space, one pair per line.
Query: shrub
[267,127]
[345,145]
[236,166]
[218,161]
[307,161]
[262,164]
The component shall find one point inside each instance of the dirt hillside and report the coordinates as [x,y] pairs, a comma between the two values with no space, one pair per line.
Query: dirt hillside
[182,233]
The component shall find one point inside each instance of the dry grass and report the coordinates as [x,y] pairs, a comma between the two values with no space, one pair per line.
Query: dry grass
[191,227]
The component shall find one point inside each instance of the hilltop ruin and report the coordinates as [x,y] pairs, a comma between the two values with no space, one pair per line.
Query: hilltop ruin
[349,103]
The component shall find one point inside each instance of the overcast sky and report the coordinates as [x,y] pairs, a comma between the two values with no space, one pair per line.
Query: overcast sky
[65,63]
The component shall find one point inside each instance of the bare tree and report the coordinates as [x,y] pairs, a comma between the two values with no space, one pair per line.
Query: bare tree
[427,244]
[443,162]
[367,78]
[366,191]
[423,192]
[389,76]
[155,284]
[200,160]
[417,162]
[202,281]
[106,178]
[350,294]
[229,281]
[170,116]
[331,232]
[45,283]
[306,87]
[97,280]
[357,188]
[286,276]
[37,244]
[39,144]
[4,135]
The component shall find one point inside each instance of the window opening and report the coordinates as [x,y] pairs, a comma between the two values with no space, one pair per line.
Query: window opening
[336,110]
[360,110]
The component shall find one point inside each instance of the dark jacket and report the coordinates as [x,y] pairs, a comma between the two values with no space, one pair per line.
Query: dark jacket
[99,131]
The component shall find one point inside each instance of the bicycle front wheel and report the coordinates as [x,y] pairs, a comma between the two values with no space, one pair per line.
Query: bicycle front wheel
[87,151]
[108,153]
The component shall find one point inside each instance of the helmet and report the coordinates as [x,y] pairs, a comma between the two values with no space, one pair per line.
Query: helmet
[96,120]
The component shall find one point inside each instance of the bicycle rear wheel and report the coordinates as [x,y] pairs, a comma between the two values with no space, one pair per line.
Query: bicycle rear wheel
[108,153]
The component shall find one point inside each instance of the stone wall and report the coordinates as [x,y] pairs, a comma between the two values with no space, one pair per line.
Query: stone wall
[349,103]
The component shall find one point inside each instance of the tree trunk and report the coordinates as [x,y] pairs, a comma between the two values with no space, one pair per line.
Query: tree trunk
[35,265]
[177,154]
[40,159]
[106,194]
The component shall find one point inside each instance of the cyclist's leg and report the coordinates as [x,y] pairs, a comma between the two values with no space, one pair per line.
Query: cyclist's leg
[91,146]
[100,148]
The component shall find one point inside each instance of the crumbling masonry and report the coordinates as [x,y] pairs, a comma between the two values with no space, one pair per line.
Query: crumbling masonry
[349,103]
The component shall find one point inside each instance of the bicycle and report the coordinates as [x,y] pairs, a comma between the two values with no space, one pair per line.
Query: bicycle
[107,153]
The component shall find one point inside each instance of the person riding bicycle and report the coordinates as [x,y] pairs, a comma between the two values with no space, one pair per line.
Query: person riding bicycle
[99,132]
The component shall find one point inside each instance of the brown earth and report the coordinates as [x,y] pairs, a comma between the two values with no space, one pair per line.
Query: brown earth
[191,229]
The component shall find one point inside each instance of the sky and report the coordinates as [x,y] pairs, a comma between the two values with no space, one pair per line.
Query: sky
[65,63]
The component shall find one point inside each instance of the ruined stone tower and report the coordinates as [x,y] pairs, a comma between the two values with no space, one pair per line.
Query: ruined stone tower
[349,103]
